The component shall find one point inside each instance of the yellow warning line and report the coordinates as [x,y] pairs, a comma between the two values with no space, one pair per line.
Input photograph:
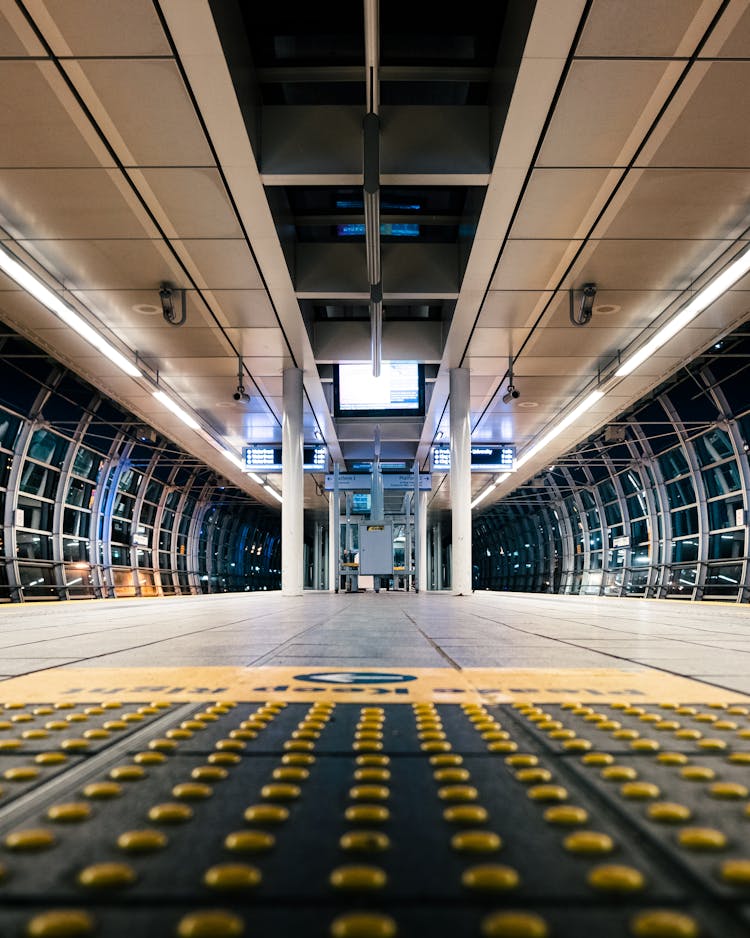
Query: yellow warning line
[387,685]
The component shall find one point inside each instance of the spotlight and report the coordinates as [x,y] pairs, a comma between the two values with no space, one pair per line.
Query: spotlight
[583,317]
[167,296]
[512,394]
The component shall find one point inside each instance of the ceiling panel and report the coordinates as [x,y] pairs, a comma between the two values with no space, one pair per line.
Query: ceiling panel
[651,265]
[707,131]
[600,103]
[149,107]
[682,203]
[613,308]
[638,27]
[110,264]
[510,308]
[243,307]
[194,201]
[68,203]
[174,343]
[732,43]
[35,127]
[226,264]
[598,343]
[261,342]
[529,265]
[104,27]
[16,35]
[556,202]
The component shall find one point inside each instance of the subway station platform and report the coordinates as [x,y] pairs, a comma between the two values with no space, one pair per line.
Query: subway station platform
[361,765]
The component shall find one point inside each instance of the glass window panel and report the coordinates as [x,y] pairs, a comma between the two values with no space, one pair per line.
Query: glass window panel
[36,514]
[607,491]
[34,546]
[713,446]
[78,579]
[38,480]
[80,493]
[723,513]
[613,514]
[167,520]
[673,464]
[5,463]
[631,482]
[595,539]
[685,551]
[76,522]
[74,549]
[165,562]
[639,533]
[47,447]
[123,507]
[87,464]
[595,562]
[680,493]
[723,580]
[129,481]
[144,558]
[682,581]
[727,546]
[148,513]
[592,517]
[121,531]
[120,555]
[9,425]
[636,506]
[173,498]
[588,500]
[685,522]
[723,479]
[153,491]
[37,580]
[636,582]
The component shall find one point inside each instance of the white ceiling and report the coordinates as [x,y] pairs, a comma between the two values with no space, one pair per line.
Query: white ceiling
[125,162]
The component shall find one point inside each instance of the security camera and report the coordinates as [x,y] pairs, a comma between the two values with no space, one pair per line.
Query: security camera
[241,395]
[511,395]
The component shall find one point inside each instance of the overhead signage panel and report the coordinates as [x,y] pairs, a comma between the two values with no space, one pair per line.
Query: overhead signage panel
[267,458]
[395,481]
[499,457]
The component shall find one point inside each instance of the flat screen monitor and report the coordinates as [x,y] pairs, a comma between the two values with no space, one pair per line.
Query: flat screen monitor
[398,392]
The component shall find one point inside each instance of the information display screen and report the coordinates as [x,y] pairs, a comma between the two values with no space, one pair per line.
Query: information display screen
[398,392]
[495,458]
[260,458]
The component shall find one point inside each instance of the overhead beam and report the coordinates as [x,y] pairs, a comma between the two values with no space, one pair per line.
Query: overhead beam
[300,141]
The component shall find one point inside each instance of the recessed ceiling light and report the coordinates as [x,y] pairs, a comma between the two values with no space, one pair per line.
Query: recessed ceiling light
[146,309]
[528,404]
[606,309]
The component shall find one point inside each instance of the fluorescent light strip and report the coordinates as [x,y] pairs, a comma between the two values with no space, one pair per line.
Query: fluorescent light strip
[709,294]
[270,489]
[482,495]
[256,478]
[177,410]
[586,404]
[33,286]
[233,458]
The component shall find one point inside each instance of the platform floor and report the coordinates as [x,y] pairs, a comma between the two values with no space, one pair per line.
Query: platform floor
[709,642]
[391,766]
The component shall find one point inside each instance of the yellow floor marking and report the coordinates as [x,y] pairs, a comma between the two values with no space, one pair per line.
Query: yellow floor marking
[388,685]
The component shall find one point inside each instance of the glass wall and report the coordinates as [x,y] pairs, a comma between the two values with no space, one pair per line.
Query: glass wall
[96,505]
[654,505]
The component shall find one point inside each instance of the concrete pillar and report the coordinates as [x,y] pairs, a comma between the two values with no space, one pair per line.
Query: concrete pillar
[460,433]
[292,485]
[420,544]
[333,541]
[317,551]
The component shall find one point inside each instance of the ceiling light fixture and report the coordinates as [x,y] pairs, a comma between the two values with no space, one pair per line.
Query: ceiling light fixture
[483,494]
[272,491]
[586,404]
[233,458]
[177,410]
[33,286]
[704,298]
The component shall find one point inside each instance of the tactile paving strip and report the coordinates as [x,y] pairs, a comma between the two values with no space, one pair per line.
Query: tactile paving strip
[376,821]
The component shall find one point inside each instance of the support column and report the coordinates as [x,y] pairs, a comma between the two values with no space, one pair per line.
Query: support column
[333,542]
[292,486]
[460,430]
[317,551]
[420,541]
